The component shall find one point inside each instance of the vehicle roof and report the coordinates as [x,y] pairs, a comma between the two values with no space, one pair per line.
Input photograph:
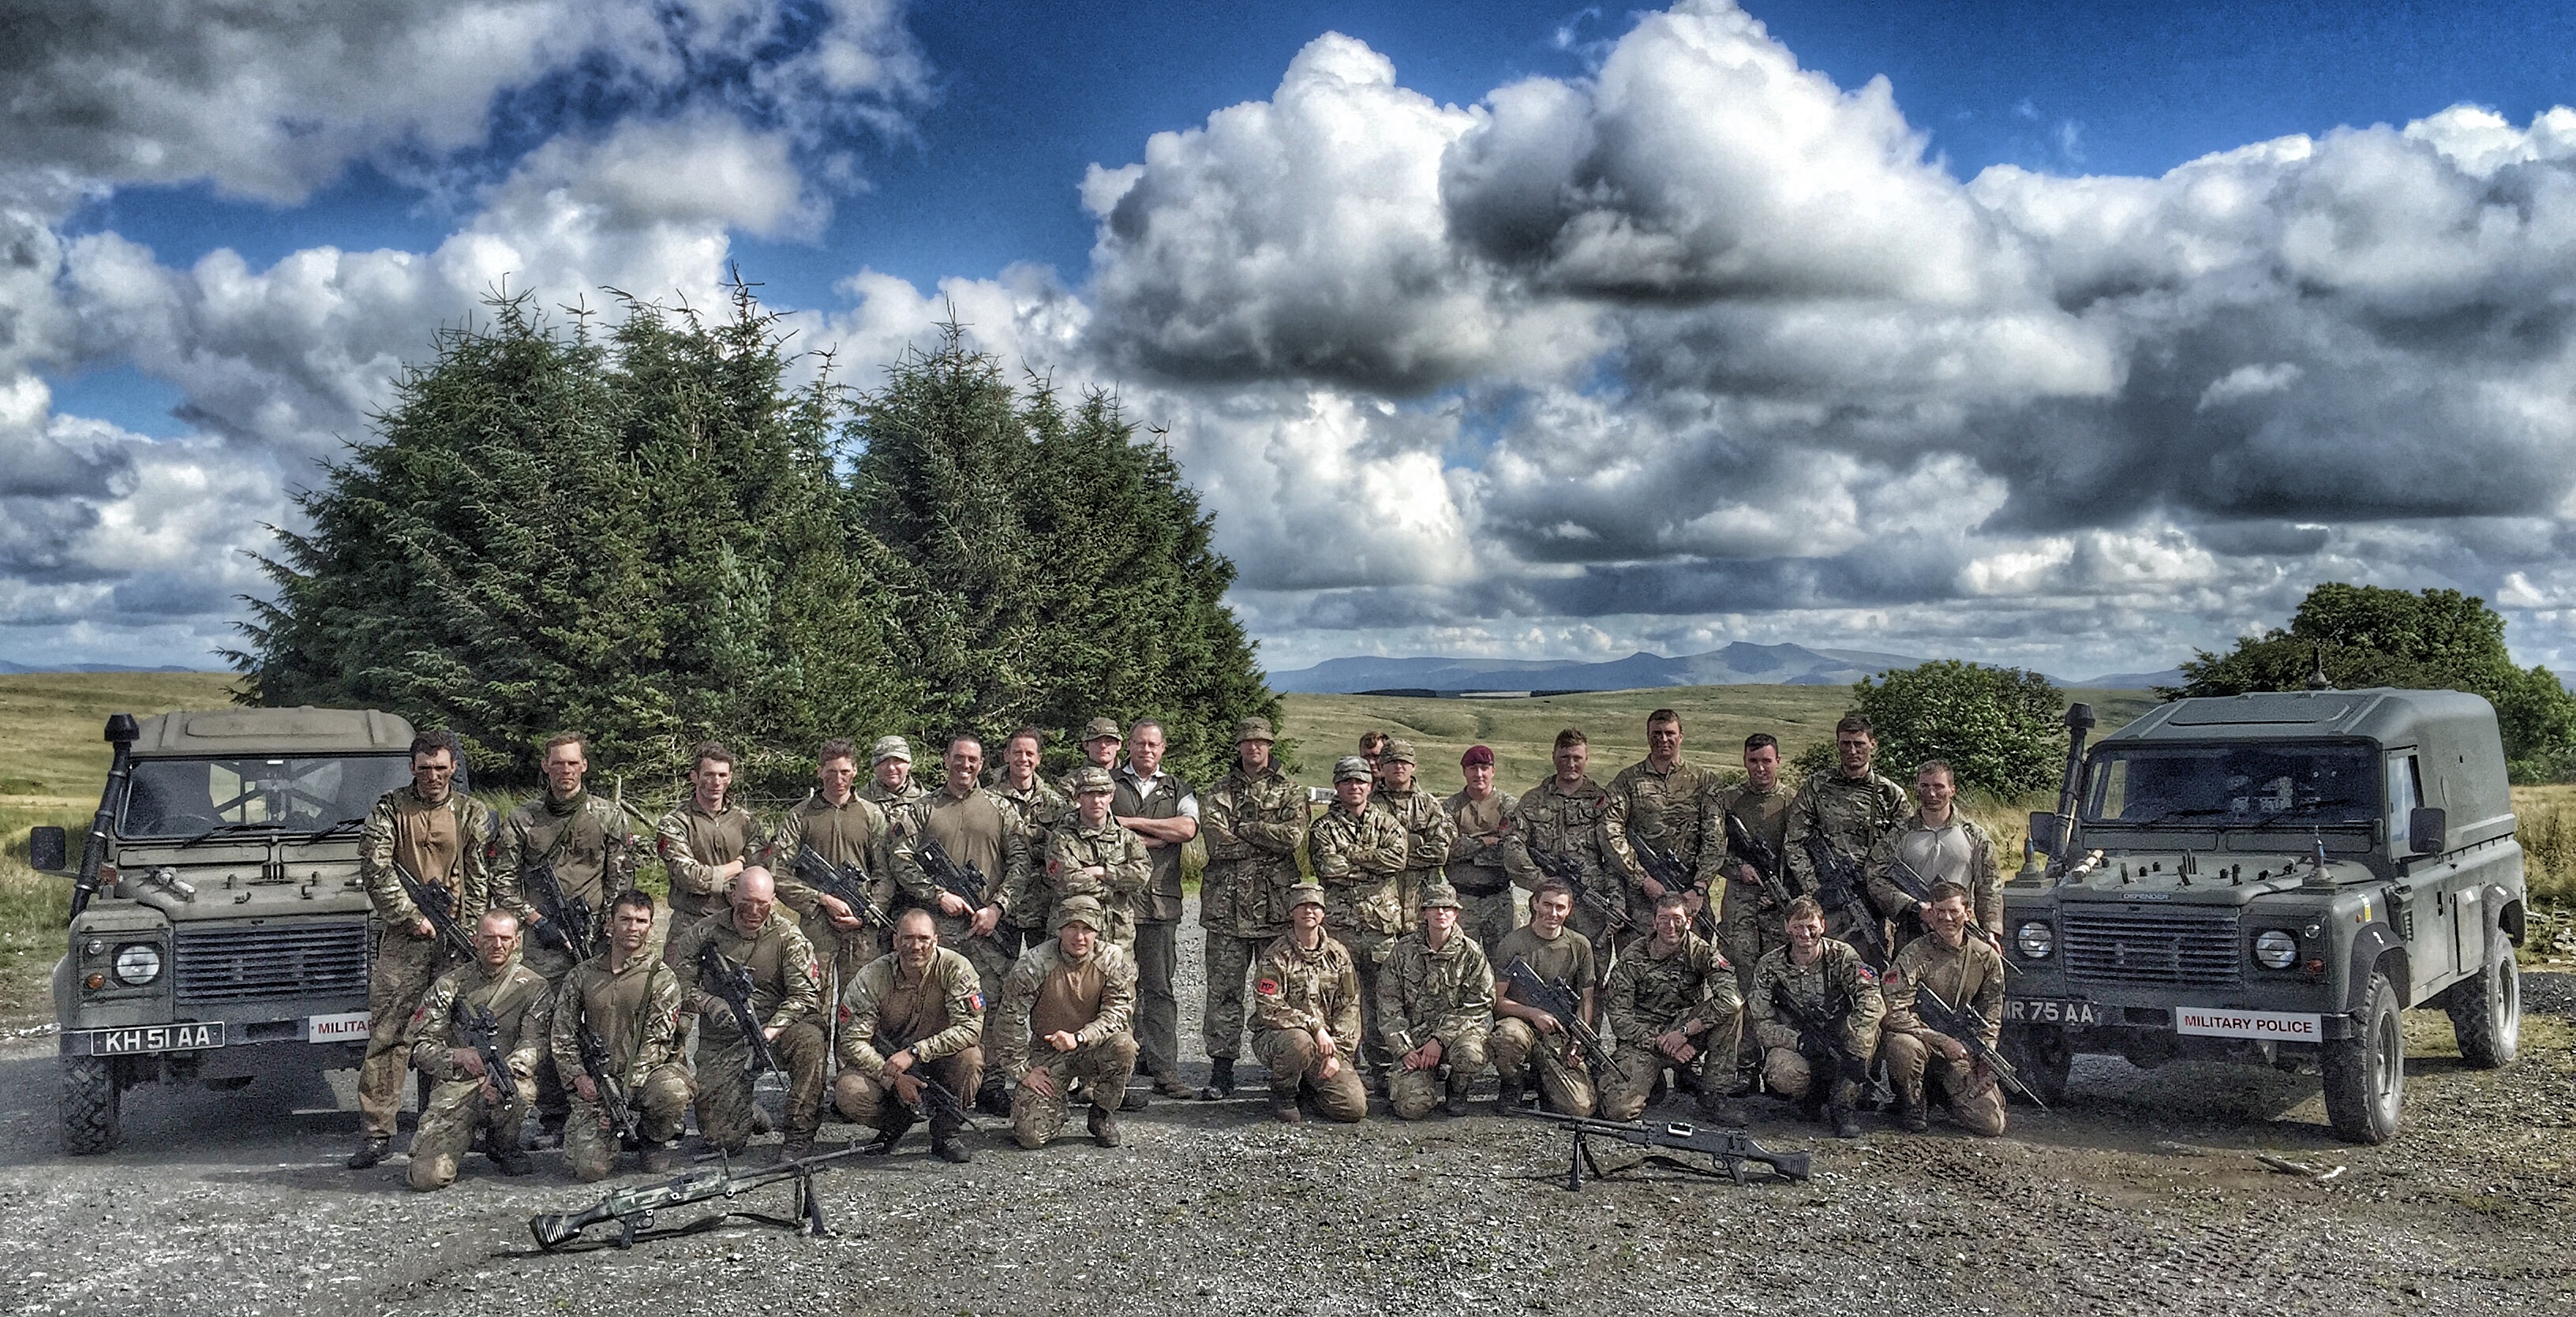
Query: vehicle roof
[306,730]
[2389,716]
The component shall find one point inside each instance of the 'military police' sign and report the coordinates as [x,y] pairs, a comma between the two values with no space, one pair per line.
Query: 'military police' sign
[2279,1026]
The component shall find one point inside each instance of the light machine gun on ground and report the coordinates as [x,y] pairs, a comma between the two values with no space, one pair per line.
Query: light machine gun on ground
[633,1208]
[1728,1150]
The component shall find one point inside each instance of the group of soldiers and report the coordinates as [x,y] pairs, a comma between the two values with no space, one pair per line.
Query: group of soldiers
[1006,943]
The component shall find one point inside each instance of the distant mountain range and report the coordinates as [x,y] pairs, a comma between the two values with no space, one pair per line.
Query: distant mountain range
[8,667]
[1741,663]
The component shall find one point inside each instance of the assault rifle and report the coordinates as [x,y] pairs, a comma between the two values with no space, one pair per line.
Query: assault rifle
[633,1208]
[1817,1040]
[843,884]
[1561,1000]
[1906,880]
[568,920]
[1763,856]
[1728,1149]
[1666,868]
[938,1100]
[1567,870]
[437,904]
[732,985]
[613,1099]
[965,884]
[476,1027]
[1842,887]
[1966,1024]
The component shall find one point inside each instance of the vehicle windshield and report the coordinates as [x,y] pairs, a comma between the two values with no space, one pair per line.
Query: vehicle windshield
[2301,786]
[188,798]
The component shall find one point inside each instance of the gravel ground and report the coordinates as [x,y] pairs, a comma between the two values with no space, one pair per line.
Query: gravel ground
[2143,1192]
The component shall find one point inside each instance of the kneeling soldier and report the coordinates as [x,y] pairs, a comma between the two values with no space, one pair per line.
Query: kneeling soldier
[631,1002]
[1073,996]
[786,993]
[1526,1037]
[1966,973]
[1306,1015]
[469,1096]
[1816,1007]
[1435,1000]
[1674,1004]
[912,1015]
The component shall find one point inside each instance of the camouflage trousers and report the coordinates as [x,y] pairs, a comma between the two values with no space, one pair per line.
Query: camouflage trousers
[1746,932]
[1711,1069]
[1413,1093]
[1229,964]
[724,1090]
[1368,950]
[405,967]
[1103,1067]
[660,1103]
[1565,1085]
[1489,919]
[1790,1076]
[1296,1066]
[456,1110]
[842,952]
[1158,1008]
[1975,1100]
[991,962]
[869,1100]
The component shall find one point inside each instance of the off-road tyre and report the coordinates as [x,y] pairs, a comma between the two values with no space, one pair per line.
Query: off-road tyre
[92,1117]
[2365,1075]
[2486,1011]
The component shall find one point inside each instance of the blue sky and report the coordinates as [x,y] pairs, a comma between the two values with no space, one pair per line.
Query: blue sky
[2004,391]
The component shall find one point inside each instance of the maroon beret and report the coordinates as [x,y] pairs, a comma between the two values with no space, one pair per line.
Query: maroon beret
[1477,754]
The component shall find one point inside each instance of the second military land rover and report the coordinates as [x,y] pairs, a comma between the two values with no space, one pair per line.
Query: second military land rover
[2274,877]
[219,931]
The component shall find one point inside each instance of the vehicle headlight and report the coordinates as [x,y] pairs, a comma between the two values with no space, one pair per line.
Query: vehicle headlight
[2275,948]
[137,964]
[2036,940]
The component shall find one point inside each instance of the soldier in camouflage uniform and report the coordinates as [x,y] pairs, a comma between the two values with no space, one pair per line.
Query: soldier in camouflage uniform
[1088,854]
[1357,853]
[1527,1038]
[1749,910]
[1035,806]
[1941,845]
[1490,856]
[1657,800]
[706,840]
[977,830]
[1673,1004]
[1850,808]
[445,839]
[631,1000]
[1966,972]
[844,829]
[1428,832]
[913,1015]
[1838,992]
[584,841]
[1161,809]
[1069,1000]
[467,1096]
[1306,1008]
[1254,821]
[890,786]
[786,1001]
[1563,818]
[1436,1001]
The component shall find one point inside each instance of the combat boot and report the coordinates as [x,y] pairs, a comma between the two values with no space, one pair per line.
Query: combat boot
[656,1157]
[1104,1126]
[944,1144]
[504,1150]
[993,1099]
[1845,1095]
[371,1150]
[1717,1109]
[1514,1091]
[1911,1116]
[1456,1105]
[1285,1110]
[1135,1100]
[1220,1083]
[890,1133]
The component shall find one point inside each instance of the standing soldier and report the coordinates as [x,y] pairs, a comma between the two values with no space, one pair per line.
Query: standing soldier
[1428,833]
[1307,1011]
[1255,820]
[443,840]
[1966,973]
[1373,749]
[1357,853]
[976,831]
[1673,1004]
[630,1003]
[1941,845]
[1816,1008]
[1088,854]
[1749,913]
[1436,1002]
[577,837]
[1036,807]
[786,998]
[707,840]
[1563,815]
[1161,809]
[914,1015]
[890,786]
[1526,1037]
[1657,801]
[1490,855]
[844,829]
[469,1097]
[1069,1001]
[1848,809]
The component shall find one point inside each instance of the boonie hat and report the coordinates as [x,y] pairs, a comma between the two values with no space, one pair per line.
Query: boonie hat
[1253,729]
[1440,895]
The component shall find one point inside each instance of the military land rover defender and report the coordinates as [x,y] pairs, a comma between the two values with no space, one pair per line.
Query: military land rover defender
[219,931]
[2273,878]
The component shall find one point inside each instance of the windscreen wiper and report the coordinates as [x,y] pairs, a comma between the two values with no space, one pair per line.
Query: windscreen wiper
[232,831]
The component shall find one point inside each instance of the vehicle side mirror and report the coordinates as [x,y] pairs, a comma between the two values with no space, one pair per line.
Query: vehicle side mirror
[2043,832]
[48,850]
[2424,828]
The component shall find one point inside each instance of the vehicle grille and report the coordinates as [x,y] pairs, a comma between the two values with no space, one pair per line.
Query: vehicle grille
[2128,944]
[257,964]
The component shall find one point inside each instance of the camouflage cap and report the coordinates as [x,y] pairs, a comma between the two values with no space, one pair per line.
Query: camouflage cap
[1440,895]
[1305,894]
[1089,777]
[1081,909]
[1102,729]
[1253,729]
[889,747]
[1397,752]
[1351,768]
